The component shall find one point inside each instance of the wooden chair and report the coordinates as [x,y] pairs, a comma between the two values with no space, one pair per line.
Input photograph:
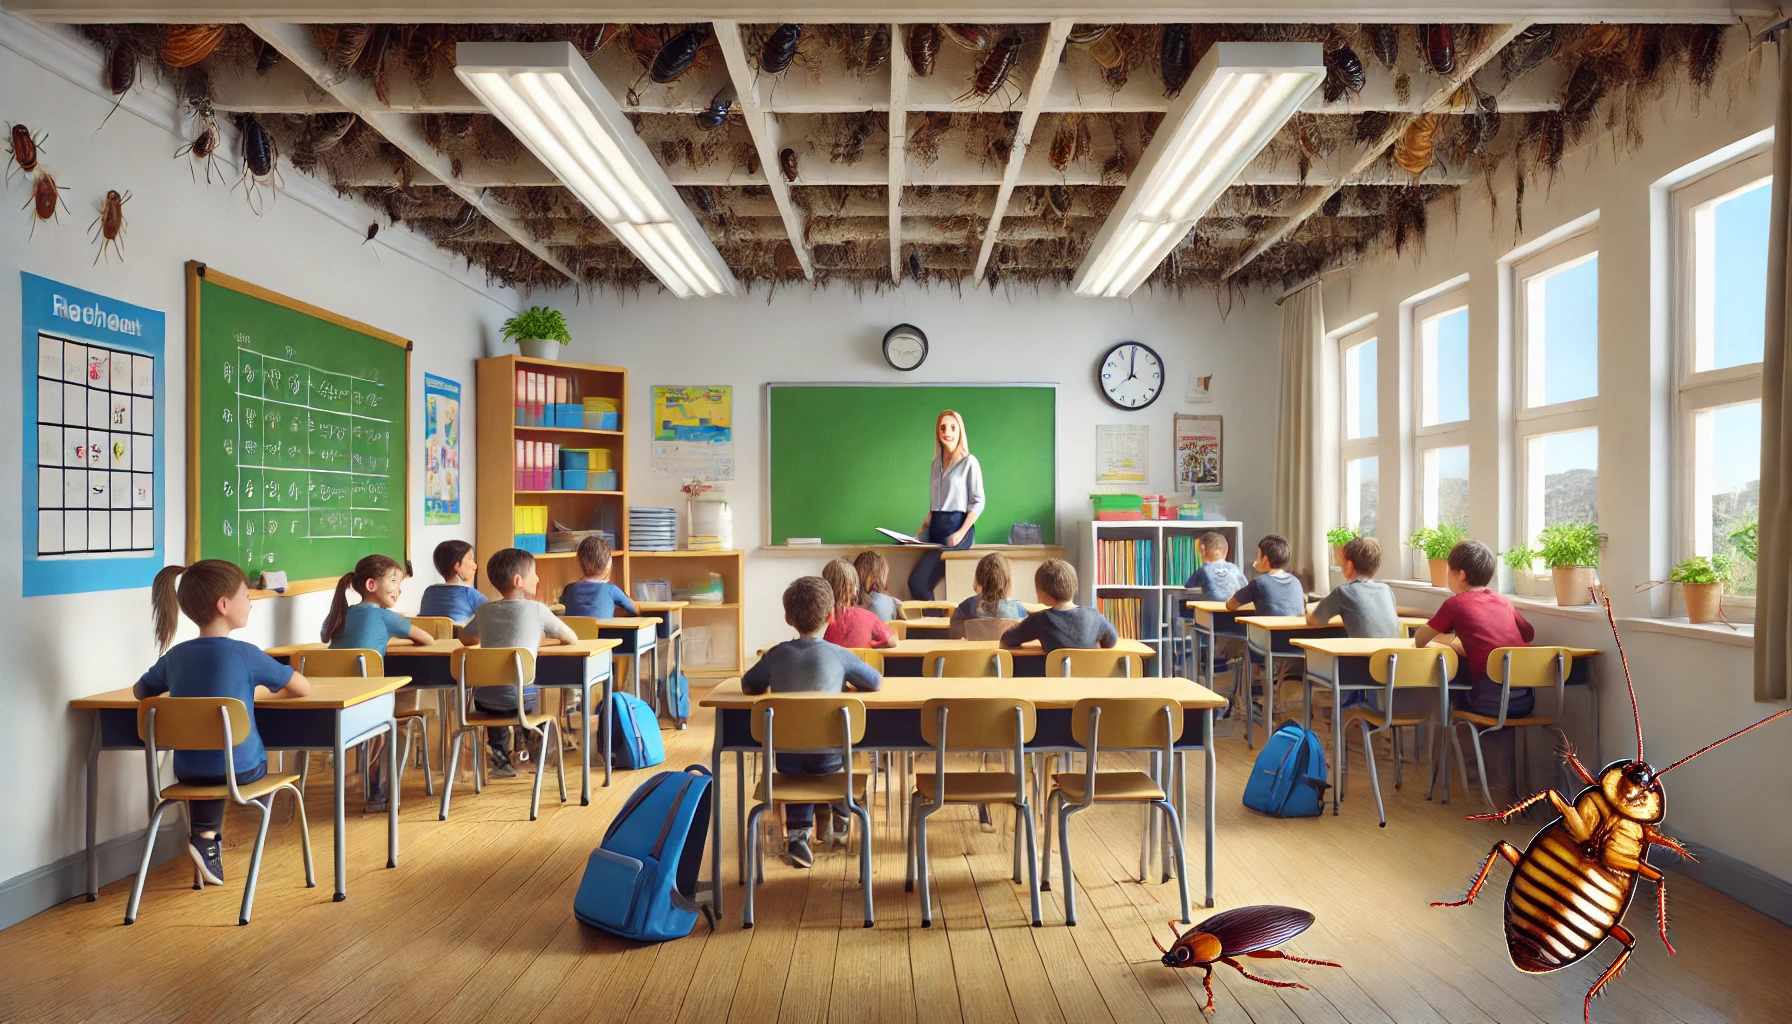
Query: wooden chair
[1514,668]
[498,666]
[980,629]
[1126,723]
[992,661]
[1074,661]
[878,763]
[1397,668]
[870,656]
[808,723]
[210,723]
[439,626]
[362,662]
[972,724]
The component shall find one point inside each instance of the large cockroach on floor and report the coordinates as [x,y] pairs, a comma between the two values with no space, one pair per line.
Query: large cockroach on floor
[1572,885]
[780,49]
[45,194]
[716,114]
[1246,931]
[108,227]
[787,164]
[1173,57]
[1343,73]
[923,47]
[22,148]
[993,73]
[121,73]
[204,147]
[260,156]
[678,54]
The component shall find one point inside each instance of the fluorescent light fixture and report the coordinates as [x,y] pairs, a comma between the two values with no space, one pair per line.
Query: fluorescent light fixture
[548,97]
[1236,100]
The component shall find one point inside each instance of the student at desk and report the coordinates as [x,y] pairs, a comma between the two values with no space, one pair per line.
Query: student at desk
[368,625]
[1481,621]
[1364,603]
[1063,624]
[514,620]
[595,595]
[215,595]
[1274,591]
[455,598]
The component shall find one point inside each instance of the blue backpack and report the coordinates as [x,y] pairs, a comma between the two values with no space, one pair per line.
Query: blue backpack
[1288,779]
[641,882]
[680,689]
[634,733]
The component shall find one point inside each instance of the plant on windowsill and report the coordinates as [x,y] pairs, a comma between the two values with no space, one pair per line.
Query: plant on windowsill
[1522,560]
[1701,582]
[1436,542]
[1571,551]
[539,332]
[1747,537]
[1337,537]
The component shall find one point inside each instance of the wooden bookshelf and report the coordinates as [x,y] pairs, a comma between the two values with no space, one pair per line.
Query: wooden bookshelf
[498,497]
[686,569]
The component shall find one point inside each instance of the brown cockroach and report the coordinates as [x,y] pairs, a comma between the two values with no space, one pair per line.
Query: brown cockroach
[373,229]
[187,45]
[1414,149]
[121,73]
[1603,40]
[993,73]
[1000,149]
[1584,89]
[344,51]
[1058,198]
[877,49]
[108,227]
[22,148]
[975,38]
[780,49]
[590,39]
[204,147]
[1530,48]
[1571,887]
[1438,46]
[1240,932]
[787,164]
[45,194]
[678,54]
[716,114]
[915,268]
[923,47]
[849,150]
[702,198]
[1343,73]
[1114,168]
[260,155]
[266,57]
[1173,56]
[1384,43]
[1070,142]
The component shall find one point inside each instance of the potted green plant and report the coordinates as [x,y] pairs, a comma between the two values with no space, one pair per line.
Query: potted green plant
[1522,560]
[1571,551]
[1419,540]
[1436,542]
[1701,582]
[1747,537]
[1337,537]
[538,331]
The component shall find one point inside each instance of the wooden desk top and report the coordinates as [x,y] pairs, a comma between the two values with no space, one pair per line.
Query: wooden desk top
[1362,647]
[927,606]
[446,648]
[1219,606]
[661,606]
[920,648]
[1055,692]
[628,622]
[333,693]
[1278,623]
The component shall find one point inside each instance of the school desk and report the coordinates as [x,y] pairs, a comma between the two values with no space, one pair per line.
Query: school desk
[635,636]
[339,714]
[576,666]
[909,657]
[913,610]
[1342,663]
[937,627]
[1271,636]
[893,723]
[671,616]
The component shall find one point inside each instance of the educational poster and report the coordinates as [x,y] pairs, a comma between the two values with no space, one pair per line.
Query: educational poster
[693,432]
[93,415]
[1120,453]
[1200,388]
[441,450]
[1200,453]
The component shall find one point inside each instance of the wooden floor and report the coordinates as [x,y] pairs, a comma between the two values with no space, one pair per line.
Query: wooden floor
[476,923]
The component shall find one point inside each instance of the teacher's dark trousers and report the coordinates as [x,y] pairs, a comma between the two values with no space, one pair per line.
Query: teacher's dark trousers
[930,569]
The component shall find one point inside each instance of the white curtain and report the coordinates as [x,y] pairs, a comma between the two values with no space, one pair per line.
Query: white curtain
[1300,487]
[1773,600]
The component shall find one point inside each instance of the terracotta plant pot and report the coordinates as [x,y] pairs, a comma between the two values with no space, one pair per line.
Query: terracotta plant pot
[1574,584]
[538,348]
[1704,601]
[1440,571]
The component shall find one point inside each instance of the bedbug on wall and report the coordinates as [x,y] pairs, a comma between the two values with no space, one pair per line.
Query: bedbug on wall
[45,194]
[993,73]
[923,47]
[1173,58]
[716,114]
[22,148]
[1343,73]
[780,49]
[108,227]
[1438,46]
[1246,931]
[787,164]
[1571,886]
[204,147]
[678,54]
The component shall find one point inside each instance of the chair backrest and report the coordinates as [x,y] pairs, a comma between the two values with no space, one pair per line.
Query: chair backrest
[490,666]
[1130,723]
[1411,666]
[1074,661]
[969,661]
[978,723]
[340,661]
[809,723]
[980,629]
[1529,668]
[584,626]
[439,626]
[870,656]
[192,723]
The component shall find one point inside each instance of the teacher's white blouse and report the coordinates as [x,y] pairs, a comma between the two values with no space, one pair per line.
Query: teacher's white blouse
[958,488]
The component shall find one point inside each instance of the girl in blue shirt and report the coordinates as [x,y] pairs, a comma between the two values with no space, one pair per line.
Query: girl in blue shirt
[368,625]
[595,596]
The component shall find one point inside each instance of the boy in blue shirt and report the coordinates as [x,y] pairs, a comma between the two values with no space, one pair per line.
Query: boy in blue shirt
[215,595]
[1215,579]
[455,598]
[595,596]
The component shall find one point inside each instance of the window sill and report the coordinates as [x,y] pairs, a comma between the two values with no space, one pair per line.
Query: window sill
[1716,632]
[1528,605]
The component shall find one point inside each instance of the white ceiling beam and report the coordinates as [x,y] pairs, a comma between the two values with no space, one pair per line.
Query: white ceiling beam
[1467,66]
[295,44]
[1053,46]
[765,134]
[899,74]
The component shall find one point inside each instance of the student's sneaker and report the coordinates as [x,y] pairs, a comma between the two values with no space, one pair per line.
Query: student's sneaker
[532,748]
[500,767]
[798,851]
[839,828]
[209,855]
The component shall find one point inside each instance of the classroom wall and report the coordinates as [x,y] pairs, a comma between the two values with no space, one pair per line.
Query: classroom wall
[307,245]
[973,336]
[1691,689]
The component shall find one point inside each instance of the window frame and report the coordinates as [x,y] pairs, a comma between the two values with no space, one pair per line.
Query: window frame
[1699,391]
[1425,439]
[1350,448]
[1534,421]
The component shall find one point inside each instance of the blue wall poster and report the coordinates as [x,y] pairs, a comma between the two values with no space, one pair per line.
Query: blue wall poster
[94,400]
[441,445]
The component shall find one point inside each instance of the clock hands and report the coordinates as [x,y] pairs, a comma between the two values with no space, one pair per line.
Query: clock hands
[1132,365]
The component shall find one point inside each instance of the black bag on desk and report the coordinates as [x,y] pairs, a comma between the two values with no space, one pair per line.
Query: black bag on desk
[1025,533]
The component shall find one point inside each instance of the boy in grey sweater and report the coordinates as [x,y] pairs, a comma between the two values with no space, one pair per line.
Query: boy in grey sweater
[515,620]
[1063,624]
[807,664]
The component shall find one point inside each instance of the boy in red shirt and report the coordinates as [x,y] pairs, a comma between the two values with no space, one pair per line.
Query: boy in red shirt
[1481,620]
[851,625]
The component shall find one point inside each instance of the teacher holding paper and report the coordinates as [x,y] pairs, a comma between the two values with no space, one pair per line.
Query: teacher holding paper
[955,496]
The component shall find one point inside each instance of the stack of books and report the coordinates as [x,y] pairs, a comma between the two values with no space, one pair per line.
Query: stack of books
[547,400]
[536,463]
[1126,613]
[1185,558]
[1124,563]
[652,528]
[531,528]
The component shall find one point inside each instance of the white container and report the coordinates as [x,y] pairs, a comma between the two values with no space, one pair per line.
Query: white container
[711,517]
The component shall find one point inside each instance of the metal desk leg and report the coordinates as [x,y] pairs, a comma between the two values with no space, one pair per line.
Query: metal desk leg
[609,688]
[339,766]
[93,811]
[1338,765]
[1207,812]
[740,809]
[715,819]
[392,768]
[585,744]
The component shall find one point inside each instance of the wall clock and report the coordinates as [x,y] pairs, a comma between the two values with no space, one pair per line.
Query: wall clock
[905,347]
[1132,375]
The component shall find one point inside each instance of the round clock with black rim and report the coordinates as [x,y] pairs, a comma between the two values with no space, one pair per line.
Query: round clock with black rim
[905,347]
[1132,375]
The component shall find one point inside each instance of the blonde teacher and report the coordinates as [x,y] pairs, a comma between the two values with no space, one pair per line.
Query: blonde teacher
[955,495]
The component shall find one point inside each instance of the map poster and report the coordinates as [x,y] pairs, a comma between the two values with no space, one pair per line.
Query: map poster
[1200,453]
[93,478]
[441,451]
[693,432]
[1120,453]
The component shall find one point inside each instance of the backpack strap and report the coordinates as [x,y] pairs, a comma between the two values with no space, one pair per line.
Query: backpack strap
[666,827]
[634,801]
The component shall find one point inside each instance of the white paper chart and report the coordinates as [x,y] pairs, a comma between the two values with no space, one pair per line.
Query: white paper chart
[96,443]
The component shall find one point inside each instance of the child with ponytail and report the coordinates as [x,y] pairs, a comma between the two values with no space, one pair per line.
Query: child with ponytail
[377,580]
[215,595]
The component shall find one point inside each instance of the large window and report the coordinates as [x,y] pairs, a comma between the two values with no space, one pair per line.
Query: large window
[1359,493]
[1557,431]
[1721,226]
[1441,399]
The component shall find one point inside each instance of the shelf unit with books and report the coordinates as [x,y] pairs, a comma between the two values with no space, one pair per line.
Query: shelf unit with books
[715,642]
[1132,571]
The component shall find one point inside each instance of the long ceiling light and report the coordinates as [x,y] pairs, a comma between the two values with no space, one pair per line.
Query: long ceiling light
[1236,100]
[548,97]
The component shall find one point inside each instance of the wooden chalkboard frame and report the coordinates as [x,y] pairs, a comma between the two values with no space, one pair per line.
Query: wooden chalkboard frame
[197,272]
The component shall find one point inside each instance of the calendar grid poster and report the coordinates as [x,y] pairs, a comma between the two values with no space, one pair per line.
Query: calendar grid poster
[93,488]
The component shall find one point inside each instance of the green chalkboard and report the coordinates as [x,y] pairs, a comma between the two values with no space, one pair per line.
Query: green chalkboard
[298,425]
[846,459]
